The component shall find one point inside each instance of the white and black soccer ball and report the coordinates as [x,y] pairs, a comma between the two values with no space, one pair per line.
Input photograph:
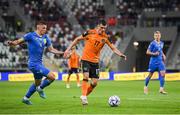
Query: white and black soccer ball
[114,101]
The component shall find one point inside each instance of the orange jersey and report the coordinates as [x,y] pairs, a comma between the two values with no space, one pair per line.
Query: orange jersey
[93,45]
[73,61]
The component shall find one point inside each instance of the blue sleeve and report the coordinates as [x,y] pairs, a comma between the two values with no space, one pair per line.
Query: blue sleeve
[150,47]
[48,42]
[27,37]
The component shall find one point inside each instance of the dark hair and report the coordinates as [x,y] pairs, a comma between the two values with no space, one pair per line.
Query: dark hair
[102,21]
[41,22]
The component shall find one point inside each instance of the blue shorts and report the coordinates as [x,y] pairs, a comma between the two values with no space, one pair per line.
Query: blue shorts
[156,67]
[39,71]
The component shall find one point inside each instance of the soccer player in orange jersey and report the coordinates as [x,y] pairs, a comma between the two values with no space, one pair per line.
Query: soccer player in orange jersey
[73,63]
[94,39]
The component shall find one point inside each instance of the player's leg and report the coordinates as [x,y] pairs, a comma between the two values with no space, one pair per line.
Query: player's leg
[147,82]
[94,75]
[30,92]
[50,77]
[162,81]
[68,78]
[84,88]
[86,70]
[85,83]
[162,72]
[151,70]
[92,85]
[148,79]
[48,80]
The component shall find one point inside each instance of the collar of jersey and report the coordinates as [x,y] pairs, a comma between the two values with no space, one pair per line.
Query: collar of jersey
[38,35]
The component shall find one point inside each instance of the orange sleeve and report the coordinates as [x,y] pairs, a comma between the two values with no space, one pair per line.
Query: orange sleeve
[109,44]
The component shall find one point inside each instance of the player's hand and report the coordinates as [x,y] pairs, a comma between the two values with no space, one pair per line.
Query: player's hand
[66,54]
[124,56]
[10,43]
[156,53]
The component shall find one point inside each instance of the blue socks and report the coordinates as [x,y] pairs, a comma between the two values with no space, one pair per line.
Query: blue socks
[31,90]
[147,81]
[161,79]
[45,83]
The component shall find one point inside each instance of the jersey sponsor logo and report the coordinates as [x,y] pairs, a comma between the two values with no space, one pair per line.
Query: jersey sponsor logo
[103,40]
[45,41]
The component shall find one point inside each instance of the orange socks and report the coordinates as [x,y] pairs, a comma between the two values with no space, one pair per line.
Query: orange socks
[84,87]
[89,90]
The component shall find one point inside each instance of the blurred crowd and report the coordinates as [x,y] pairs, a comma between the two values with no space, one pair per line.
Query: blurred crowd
[87,12]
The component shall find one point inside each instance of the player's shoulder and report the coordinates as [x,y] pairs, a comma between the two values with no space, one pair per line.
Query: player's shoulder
[153,42]
[28,35]
[88,32]
[105,35]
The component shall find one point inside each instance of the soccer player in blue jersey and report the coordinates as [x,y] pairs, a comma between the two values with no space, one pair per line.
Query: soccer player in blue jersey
[37,41]
[156,63]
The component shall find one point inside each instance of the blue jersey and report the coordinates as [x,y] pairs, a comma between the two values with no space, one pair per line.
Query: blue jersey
[156,47]
[36,45]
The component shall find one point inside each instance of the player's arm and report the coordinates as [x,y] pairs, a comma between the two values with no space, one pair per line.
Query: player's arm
[148,52]
[54,51]
[76,41]
[115,50]
[15,42]
[164,56]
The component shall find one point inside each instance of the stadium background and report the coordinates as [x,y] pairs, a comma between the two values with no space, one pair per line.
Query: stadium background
[129,22]
[131,26]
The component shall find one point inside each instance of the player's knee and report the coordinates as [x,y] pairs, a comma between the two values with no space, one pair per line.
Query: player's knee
[94,84]
[86,75]
[163,74]
[51,76]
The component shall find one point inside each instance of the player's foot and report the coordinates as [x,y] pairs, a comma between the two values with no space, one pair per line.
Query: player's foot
[145,90]
[67,86]
[84,100]
[26,101]
[161,90]
[78,85]
[41,92]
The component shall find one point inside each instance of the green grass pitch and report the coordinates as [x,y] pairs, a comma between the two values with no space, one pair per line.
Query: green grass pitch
[66,101]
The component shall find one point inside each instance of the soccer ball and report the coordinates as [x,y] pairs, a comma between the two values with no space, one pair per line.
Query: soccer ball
[114,101]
